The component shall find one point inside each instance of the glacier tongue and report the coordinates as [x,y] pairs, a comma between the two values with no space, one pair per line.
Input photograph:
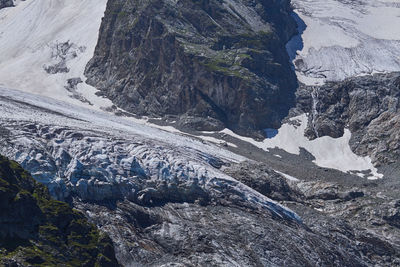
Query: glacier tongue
[342,39]
[96,156]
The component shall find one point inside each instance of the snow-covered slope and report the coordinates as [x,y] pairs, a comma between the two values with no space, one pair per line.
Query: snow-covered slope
[341,39]
[58,36]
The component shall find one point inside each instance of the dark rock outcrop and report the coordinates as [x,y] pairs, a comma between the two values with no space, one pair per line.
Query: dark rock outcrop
[6,3]
[218,63]
[359,214]
[215,235]
[351,216]
[36,230]
[368,106]
[266,181]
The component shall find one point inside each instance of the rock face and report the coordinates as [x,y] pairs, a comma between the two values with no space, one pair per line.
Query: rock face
[35,230]
[6,3]
[212,63]
[351,216]
[367,105]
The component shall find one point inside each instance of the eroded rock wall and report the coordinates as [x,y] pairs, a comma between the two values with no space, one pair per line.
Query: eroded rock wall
[221,61]
[368,106]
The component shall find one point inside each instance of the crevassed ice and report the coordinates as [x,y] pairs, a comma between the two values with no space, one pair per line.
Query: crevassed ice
[346,38]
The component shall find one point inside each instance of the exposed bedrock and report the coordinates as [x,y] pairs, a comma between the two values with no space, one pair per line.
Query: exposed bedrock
[217,63]
[367,105]
[6,3]
[344,227]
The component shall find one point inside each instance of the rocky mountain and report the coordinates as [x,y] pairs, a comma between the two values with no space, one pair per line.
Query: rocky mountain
[368,106]
[38,231]
[210,63]
[136,114]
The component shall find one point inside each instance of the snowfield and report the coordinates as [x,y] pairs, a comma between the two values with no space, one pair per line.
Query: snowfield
[41,34]
[341,39]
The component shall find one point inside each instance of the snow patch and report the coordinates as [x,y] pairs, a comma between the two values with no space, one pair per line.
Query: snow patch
[329,152]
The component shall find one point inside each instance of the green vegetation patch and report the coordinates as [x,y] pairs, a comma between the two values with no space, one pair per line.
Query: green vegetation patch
[42,231]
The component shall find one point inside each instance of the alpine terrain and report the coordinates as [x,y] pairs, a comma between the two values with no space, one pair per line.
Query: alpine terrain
[199,133]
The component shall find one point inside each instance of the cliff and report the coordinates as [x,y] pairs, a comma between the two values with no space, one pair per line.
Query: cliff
[368,106]
[209,63]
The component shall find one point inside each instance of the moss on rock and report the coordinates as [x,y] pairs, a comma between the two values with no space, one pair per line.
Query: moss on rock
[38,231]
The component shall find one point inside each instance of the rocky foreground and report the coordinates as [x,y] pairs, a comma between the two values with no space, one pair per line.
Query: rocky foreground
[341,226]
[193,203]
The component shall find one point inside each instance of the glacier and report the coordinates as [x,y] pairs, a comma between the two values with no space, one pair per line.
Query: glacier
[341,39]
[96,156]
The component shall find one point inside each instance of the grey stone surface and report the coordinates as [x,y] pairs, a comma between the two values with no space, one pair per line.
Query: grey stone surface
[368,106]
[172,204]
[224,60]
[342,226]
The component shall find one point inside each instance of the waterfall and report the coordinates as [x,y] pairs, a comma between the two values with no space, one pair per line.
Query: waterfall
[315,102]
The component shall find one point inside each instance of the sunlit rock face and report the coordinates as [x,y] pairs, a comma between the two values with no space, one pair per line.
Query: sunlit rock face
[221,61]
